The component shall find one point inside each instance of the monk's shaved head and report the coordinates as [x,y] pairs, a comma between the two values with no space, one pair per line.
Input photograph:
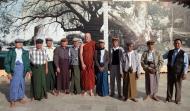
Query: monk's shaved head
[87,37]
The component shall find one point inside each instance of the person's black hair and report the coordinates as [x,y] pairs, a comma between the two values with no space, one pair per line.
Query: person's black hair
[178,40]
[129,43]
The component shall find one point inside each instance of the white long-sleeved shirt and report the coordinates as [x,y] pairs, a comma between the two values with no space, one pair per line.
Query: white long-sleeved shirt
[18,55]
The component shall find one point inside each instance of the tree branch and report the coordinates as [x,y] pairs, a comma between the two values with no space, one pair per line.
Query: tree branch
[81,18]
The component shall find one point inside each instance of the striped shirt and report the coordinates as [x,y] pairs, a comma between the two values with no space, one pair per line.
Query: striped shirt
[38,56]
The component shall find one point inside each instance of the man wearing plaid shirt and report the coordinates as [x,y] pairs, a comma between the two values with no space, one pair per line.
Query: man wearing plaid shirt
[39,67]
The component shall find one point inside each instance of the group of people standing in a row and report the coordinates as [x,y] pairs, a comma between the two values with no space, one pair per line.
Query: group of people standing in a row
[78,69]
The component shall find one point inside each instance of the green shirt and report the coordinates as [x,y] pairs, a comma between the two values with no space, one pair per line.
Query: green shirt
[10,58]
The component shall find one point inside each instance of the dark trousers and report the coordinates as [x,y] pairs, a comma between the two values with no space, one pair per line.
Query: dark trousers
[63,78]
[75,79]
[174,80]
[115,74]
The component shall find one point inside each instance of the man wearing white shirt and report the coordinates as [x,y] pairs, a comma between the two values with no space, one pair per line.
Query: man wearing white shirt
[130,69]
[102,61]
[50,77]
[18,54]
[17,65]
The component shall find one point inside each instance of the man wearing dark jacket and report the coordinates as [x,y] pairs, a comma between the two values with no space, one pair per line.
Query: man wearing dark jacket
[177,70]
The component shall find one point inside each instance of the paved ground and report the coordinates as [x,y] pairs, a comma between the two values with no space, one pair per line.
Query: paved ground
[80,103]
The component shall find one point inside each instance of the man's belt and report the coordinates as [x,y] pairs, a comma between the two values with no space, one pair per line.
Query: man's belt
[37,65]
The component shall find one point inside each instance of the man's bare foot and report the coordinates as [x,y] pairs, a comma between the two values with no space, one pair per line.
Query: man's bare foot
[125,98]
[91,94]
[120,97]
[83,93]
[22,101]
[54,93]
[12,104]
[67,92]
[155,98]
[57,92]
[146,97]
[46,97]
[133,99]
[31,99]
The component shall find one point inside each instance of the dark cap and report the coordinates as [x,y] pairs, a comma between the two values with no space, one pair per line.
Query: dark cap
[64,40]
[150,42]
[49,39]
[19,41]
[39,41]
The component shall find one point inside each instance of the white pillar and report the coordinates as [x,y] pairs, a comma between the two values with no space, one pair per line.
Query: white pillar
[105,21]
[172,27]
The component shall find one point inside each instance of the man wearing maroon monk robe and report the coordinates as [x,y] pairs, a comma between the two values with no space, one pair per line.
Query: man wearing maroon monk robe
[87,51]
